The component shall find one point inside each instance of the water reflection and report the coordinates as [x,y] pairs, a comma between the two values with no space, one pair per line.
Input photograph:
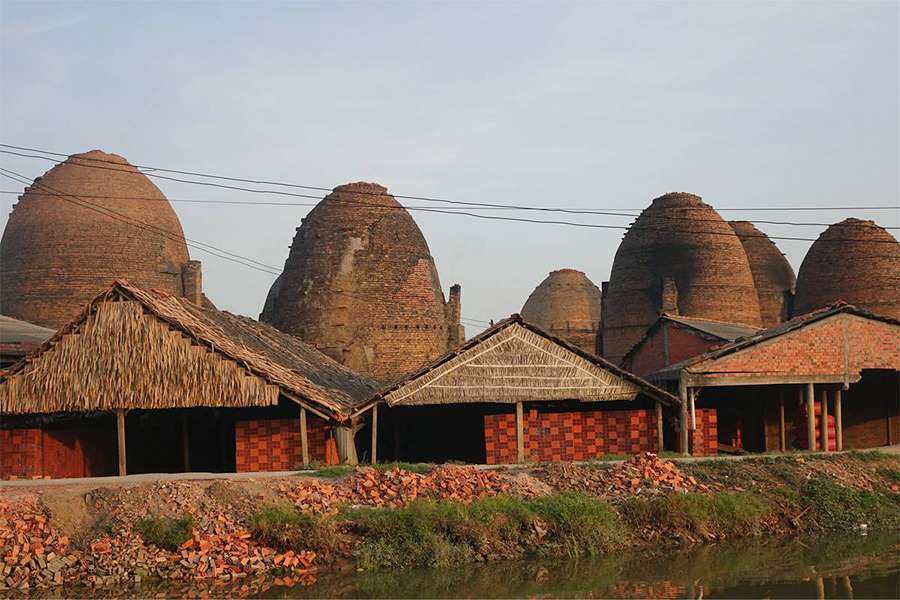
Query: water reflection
[836,567]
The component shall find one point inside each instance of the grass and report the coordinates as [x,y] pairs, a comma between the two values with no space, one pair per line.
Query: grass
[165,532]
[741,514]
[329,472]
[835,507]
[443,534]
[284,528]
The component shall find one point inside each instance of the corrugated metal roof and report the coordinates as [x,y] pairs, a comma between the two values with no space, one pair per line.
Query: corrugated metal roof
[720,329]
[14,331]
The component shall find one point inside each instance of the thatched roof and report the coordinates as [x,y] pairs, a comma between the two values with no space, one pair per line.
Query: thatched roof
[514,361]
[134,348]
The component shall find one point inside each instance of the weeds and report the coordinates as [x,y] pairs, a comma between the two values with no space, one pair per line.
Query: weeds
[420,468]
[284,528]
[729,515]
[834,506]
[165,532]
[329,472]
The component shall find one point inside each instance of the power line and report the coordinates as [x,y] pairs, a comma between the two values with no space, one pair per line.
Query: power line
[402,207]
[663,219]
[202,246]
[363,192]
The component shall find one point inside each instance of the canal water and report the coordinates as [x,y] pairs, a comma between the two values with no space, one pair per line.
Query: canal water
[844,566]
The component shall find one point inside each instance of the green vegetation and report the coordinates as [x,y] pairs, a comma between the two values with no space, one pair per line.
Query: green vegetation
[329,472]
[834,506]
[708,516]
[165,532]
[892,475]
[428,533]
[284,528]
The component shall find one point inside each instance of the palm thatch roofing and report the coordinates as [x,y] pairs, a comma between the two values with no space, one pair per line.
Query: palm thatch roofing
[514,361]
[134,348]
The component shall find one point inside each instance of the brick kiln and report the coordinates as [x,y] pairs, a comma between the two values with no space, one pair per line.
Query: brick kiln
[678,257]
[567,305]
[62,244]
[854,261]
[360,285]
[772,273]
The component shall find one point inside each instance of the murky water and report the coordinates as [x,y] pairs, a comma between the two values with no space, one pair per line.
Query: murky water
[845,566]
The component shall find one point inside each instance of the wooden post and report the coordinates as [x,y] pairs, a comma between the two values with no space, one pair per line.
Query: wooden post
[811,416]
[520,433]
[782,434]
[185,443]
[374,434]
[683,420]
[659,427]
[838,422]
[120,427]
[823,421]
[304,438]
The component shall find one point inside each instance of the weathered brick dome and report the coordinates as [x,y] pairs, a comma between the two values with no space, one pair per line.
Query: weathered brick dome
[772,273]
[566,304]
[58,253]
[360,284]
[855,261]
[679,257]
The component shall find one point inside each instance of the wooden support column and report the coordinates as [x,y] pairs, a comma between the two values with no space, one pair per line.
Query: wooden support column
[683,420]
[823,420]
[520,433]
[782,434]
[120,428]
[304,438]
[374,434]
[810,416]
[659,427]
[185,443]
[838,422]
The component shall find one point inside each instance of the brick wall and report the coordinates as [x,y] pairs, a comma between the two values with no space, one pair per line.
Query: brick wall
[274,444]
[817,349]
[567,436]
[57,453]
[682,344]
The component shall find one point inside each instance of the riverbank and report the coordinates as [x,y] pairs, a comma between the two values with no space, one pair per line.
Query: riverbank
[292,527]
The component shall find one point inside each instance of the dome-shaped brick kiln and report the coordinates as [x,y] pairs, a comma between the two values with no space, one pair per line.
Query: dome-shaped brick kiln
[679,257]
[360,284]
[567,305]
[772,273]
[855,261]
[86,222]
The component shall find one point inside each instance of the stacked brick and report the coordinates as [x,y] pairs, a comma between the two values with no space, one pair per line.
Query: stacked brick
[855,261]
[361,286]
[567,305]
[56,453]
[57,253]
[705,436]
[568,436]
[772,273]
[274,444]
[679,257]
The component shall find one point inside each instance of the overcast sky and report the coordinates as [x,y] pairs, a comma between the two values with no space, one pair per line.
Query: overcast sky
[593,105]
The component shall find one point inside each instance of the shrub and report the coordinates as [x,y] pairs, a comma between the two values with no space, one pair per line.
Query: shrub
[165,532]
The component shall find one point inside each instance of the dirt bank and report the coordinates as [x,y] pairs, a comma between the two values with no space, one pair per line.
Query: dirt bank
[392,517]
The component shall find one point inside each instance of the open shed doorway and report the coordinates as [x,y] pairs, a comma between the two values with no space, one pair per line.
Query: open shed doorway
[180,440]
[439,433]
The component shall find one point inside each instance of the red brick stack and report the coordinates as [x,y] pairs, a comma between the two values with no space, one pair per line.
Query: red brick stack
[274,444]
[21,453]
[569,436]
[704,438]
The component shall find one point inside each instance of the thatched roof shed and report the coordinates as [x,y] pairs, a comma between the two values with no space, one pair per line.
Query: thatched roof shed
[137,349]
[515,361]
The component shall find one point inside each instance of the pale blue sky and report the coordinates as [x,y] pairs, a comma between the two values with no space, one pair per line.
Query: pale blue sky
[590,104]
